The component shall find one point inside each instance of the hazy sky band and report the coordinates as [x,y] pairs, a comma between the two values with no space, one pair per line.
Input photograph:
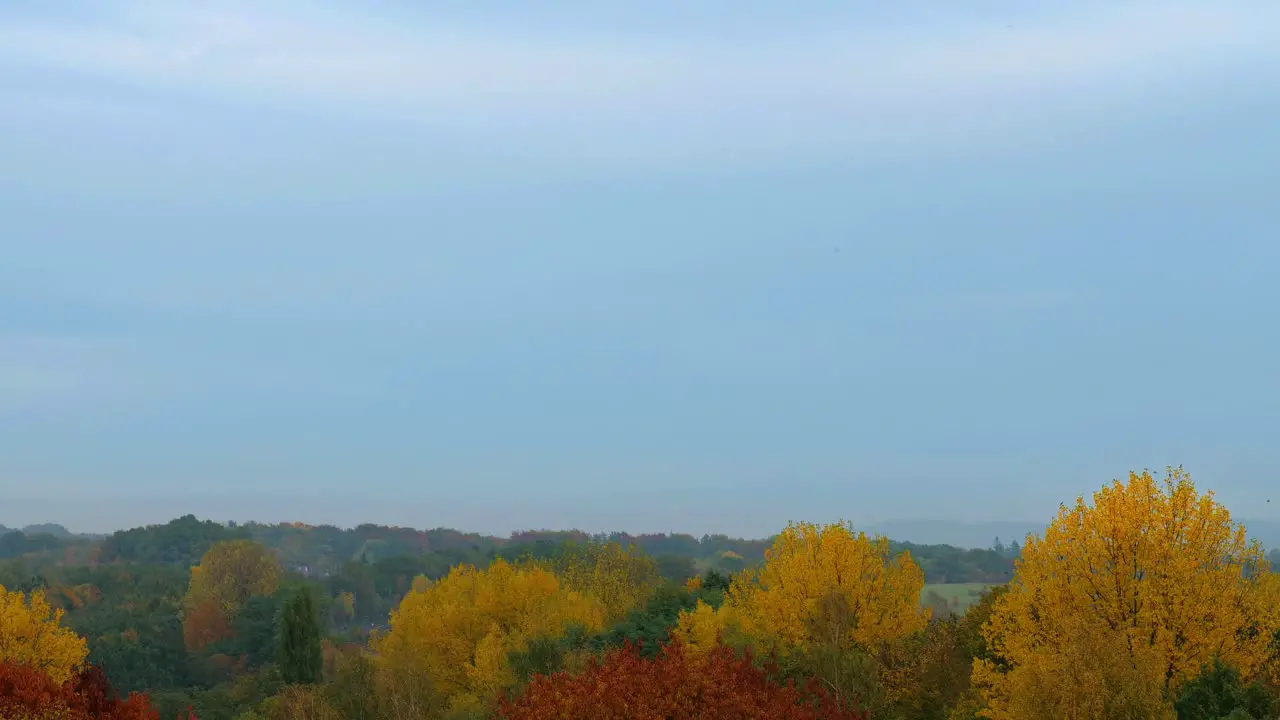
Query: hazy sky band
[588,260]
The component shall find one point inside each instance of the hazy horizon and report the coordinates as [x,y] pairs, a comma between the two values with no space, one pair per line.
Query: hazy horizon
[920,530]
[709,268]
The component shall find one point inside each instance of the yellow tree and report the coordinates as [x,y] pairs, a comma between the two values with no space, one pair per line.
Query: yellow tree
[621,579]
[1122,601]
[231,572]
[454,636]
[31,635]
[783,604]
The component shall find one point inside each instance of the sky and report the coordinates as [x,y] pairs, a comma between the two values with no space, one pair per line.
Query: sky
[642,266]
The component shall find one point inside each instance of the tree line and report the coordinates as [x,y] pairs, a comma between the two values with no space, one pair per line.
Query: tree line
[1144,601]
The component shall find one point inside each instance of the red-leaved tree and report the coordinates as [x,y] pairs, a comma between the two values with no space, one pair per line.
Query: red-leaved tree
[26,693]
[623,685]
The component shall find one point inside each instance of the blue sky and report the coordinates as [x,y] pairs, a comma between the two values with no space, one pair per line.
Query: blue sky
[633,266]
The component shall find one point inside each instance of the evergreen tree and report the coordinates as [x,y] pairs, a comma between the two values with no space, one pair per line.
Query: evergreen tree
[1218,693]
[298,640]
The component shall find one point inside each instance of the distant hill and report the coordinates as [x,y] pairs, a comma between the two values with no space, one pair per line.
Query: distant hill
[957,533]
[53,529]
[954,532]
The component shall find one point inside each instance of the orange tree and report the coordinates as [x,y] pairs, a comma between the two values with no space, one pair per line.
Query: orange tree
[718,685]
[27,693]
[1124,600]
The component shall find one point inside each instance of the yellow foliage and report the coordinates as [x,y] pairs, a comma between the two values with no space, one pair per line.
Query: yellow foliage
[693,584]
[421,583]
[459,631]
[31,635]
[700,629]
[1127,598]
[1091,676]
[621,579]
[490,672]
[230,573]
[780,604]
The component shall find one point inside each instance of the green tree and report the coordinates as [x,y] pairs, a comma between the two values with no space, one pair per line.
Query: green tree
[649,626]
[542,656]
[676,567]
[298,645]
[353,691]
[1218,693]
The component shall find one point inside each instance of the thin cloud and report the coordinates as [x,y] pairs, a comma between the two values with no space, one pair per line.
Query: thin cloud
[837,80]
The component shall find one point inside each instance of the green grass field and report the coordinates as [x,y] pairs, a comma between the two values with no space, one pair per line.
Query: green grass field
[965,593]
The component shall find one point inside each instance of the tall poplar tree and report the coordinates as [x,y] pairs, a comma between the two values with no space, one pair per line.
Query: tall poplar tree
[298,640]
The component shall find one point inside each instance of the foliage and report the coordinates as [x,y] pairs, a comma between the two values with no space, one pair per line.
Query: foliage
[1123,601]
[228,576]
[352,690]
[133,630]
[179,542]
[926,674]
[947,564]
[253,631]
[776,605]
[541,656]
[1218,693]
[231,572]
[673,685]
[31,634]
[428,624]
[26,693]
[456,635]
[675,567]
[300,702]
[715,580]
[298,649]
[833,658]
[16,543]
[650,626]
[619,578]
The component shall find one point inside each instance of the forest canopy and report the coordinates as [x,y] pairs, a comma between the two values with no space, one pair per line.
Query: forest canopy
[1145,600]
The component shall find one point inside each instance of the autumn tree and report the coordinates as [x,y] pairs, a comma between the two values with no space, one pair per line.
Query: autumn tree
[623,685]
[452,639]
[229,574]
[27,693]
[298,644]
[779,605]
[203,625]
[1122,601]
[31,634]
[620,578]
[233,571]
